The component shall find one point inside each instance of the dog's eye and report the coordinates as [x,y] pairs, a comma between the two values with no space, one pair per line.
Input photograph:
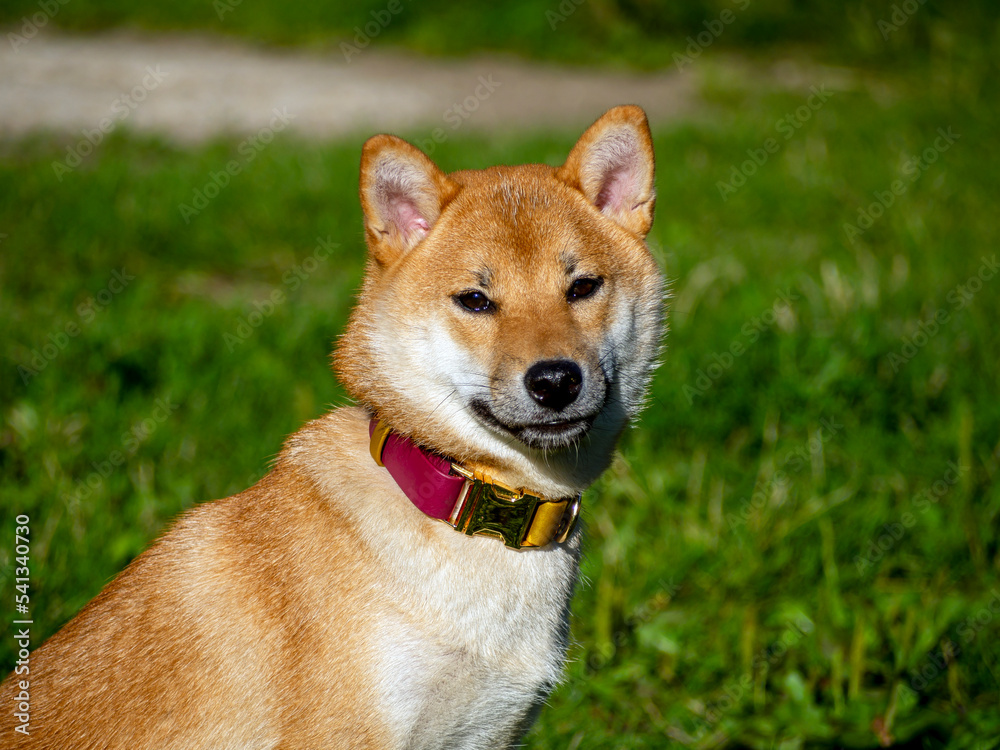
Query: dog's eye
[582,288]
[476,302]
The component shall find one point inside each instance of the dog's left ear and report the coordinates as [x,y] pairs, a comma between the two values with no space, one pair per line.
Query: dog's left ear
[612,165]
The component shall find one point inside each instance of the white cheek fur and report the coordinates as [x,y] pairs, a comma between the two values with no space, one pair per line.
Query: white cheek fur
[441,376]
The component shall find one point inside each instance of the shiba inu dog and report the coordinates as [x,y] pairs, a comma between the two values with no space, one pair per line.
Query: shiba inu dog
[402,578]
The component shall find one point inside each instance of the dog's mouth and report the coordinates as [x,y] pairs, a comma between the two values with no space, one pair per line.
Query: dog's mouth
[549,434]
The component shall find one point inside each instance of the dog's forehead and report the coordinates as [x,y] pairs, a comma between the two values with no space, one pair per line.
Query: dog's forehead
[523,219]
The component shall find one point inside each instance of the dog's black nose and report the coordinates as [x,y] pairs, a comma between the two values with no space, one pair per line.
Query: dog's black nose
[554,384]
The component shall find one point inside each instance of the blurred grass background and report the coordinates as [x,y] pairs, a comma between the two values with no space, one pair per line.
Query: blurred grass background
[617,32]
[732,596]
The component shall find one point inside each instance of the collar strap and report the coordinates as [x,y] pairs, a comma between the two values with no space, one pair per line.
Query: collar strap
[471,502]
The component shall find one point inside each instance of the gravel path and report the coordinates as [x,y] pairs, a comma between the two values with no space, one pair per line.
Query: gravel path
[192,88]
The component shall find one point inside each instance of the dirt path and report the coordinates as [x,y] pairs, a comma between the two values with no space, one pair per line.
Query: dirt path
[195,87]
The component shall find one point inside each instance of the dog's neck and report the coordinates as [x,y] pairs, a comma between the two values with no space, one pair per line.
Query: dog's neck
[470,501]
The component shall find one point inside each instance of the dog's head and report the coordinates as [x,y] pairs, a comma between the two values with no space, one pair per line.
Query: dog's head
[511,316]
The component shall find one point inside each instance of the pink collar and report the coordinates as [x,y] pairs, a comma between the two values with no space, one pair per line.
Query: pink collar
[469,501]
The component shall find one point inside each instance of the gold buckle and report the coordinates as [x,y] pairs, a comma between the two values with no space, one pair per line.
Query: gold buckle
[569,520]
[377,442]
[490,508]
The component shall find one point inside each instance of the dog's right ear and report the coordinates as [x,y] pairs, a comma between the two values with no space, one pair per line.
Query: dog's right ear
[402,195]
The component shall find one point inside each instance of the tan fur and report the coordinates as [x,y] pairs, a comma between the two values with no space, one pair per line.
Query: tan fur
[320,608]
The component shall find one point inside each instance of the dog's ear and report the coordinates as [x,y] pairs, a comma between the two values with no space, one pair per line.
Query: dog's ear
[612,165]
[402,194]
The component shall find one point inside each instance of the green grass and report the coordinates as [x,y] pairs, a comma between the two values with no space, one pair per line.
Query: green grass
[725,593]
[623,32]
